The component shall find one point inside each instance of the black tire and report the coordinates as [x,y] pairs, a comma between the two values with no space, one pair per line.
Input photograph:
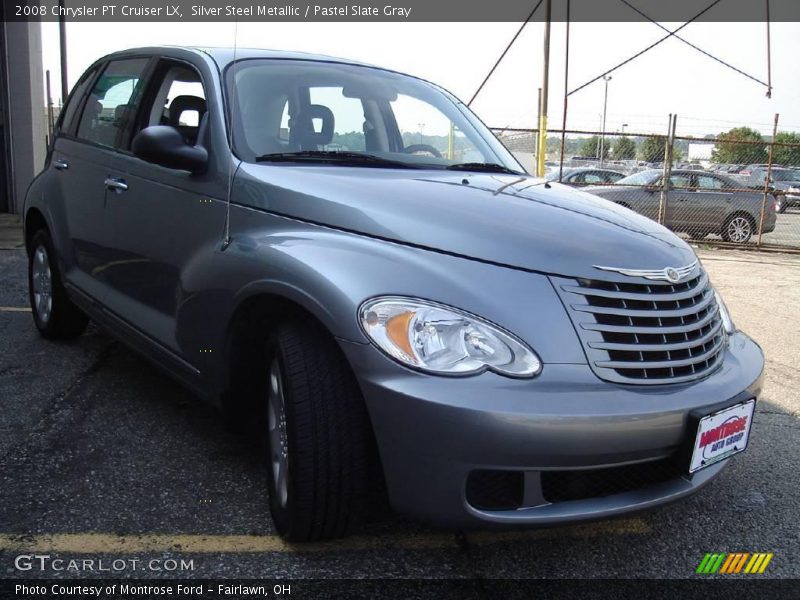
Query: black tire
[781,206]
[327,435]
[745,236]
[63,320]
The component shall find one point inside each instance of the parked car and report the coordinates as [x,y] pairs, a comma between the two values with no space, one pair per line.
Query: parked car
[495,350]
[696,203]
[785,183]
[582,176]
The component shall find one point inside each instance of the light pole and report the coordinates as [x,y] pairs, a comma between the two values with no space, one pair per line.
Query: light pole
[606,78]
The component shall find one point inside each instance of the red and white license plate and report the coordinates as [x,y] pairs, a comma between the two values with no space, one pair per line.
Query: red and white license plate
[722,434]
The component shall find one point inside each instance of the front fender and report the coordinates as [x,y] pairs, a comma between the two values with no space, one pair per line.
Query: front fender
[330,273]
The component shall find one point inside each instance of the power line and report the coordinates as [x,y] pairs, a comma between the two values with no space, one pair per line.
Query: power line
[650,47]
[503,55]
[700,50]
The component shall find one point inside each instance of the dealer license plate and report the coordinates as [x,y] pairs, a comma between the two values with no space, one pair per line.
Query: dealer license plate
[722,434]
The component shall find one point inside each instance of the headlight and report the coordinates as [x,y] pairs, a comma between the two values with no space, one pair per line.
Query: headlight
[443,340]
[727,322]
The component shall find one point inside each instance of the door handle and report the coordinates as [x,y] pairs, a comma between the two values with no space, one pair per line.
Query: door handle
[61,165]
[116,185]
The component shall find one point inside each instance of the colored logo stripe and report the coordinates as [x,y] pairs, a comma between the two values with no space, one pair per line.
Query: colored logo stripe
[734,562]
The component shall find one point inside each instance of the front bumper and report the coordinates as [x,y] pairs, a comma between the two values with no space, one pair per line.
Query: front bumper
[433,432]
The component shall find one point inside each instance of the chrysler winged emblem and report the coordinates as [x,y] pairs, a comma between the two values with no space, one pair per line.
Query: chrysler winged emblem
[670,274]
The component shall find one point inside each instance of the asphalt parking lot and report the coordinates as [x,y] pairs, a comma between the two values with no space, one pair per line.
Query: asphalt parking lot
[102,456]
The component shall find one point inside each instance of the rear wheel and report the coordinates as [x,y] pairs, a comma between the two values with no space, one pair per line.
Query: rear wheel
[54,314]
[317,435]
[738,229]
[780,205]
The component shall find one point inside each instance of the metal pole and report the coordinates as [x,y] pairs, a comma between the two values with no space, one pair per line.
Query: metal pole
[50,121]
[606,78]
[767,181]
[538,120]
[62,36]
[548,6]
[665,185]
[566,99]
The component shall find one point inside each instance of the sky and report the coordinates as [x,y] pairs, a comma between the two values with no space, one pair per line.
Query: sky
[672,78]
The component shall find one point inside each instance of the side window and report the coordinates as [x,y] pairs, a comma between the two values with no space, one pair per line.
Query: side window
[179,101]
[113,102]
[613,177]
[74,102]
[680,182]
[705,182]
[593,178]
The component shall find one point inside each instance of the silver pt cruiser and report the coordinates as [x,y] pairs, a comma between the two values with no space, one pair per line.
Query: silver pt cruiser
[346,260]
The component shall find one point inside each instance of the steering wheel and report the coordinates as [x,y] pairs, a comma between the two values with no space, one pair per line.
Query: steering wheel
[415,148]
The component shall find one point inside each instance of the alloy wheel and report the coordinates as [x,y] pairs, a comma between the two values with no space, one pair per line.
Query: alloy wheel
[739,229]
[42,282]
[278,440]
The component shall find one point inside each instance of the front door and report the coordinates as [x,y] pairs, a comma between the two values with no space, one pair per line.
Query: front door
[164,218]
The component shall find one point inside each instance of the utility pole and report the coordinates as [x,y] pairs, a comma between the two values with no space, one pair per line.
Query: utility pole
[62,36]
[606,78]
[548,6]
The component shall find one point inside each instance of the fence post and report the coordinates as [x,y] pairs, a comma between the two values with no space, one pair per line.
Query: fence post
[662,201]
[767,182]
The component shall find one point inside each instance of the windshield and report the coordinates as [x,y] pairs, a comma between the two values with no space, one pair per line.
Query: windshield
[641,178]
[305,108]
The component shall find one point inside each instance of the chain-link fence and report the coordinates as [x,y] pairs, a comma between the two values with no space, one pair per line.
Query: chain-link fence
[737,188]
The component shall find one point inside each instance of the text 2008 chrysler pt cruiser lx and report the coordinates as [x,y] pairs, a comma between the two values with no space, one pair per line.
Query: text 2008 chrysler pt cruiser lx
[346,258]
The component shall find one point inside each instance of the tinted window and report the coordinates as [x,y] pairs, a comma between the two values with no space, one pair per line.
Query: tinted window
[112,101]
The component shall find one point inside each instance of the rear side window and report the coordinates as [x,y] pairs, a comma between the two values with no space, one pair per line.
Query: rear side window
[113,101]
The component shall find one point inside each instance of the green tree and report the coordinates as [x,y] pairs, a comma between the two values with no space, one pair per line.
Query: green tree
[590,147]
[787,155]
[652,148]
[730,149]
[625,149]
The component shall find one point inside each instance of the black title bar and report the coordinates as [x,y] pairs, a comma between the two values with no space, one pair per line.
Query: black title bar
[398,10]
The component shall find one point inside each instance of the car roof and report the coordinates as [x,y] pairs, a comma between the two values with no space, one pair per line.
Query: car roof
[223,56]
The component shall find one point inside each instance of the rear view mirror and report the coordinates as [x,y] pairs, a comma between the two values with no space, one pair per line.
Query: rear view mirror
[164,145]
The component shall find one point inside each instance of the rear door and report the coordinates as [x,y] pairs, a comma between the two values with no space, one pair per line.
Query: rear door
[84,155]
[677,211]
[706,203]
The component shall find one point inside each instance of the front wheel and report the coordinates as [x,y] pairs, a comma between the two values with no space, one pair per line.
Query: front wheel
[317,435]
[54,314]
[738,229]
[780,205]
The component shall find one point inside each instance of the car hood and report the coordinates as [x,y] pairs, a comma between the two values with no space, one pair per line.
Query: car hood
[515,221]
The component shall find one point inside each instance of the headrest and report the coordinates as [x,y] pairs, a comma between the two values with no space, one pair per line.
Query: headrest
[181,104]
[302,131]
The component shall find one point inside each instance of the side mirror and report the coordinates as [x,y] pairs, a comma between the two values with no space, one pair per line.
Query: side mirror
[164,145]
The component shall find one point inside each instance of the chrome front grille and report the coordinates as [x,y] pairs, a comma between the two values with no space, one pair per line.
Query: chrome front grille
[646,333]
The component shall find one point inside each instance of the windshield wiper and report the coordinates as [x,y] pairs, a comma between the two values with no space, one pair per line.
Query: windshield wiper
[334,157]
[482,167]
